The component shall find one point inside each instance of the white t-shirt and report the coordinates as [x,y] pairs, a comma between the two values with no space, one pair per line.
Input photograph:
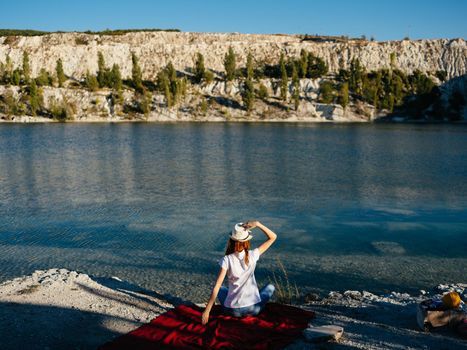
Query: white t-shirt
[243,290]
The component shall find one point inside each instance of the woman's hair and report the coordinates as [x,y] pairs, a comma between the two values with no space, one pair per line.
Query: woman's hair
[236,246]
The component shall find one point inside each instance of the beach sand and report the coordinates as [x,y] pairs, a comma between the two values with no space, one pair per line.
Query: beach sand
[62,309]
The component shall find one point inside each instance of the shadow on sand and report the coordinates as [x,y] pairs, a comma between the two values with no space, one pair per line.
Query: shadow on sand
[27,326]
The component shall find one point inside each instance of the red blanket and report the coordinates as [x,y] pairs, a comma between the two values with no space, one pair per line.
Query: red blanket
[180,328]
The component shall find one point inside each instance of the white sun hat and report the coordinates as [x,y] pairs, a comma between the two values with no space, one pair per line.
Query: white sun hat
[240,234]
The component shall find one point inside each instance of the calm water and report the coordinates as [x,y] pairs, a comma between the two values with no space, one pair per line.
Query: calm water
[375,207]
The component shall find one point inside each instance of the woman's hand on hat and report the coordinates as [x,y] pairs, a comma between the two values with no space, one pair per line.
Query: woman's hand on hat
[251,224]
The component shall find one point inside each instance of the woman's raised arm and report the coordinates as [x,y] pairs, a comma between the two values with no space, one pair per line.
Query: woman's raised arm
[270,234]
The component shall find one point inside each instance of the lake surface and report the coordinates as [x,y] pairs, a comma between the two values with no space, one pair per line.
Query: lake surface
[374,207]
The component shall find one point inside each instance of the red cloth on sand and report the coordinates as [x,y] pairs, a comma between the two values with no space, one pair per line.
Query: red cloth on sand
[180,328]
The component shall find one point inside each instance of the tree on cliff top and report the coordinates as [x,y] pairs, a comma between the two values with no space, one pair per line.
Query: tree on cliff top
[136,74]
[61,78]
[230,64]
[284,78]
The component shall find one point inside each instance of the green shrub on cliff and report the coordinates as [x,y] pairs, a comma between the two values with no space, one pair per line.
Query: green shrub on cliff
[307,64]
[91,82]
[144,102]
[164,87]
[356,75]
[326,92]
[208,76]
[26,67]
[248,94]
[316,67]
[115,82]
[136,74]
[10,105]
[230,64]
[101,70]
[284,83]
[203,106]
[111,78]
[173,82]
[420,83]
[6,70]
[303,64]
[35,97]
[115,78]
[61,78]
[200,70]
[344,95]
[262,92]
[384,88]
[172,87]
[250,68]
[61,110]
[16,77]
[398,88]
[295,87]
[44,78]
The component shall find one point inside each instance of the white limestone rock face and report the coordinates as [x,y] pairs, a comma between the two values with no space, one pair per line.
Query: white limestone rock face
[78,51]
[329,111]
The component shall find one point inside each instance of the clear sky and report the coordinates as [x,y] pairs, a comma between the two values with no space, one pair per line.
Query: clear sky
[382,19]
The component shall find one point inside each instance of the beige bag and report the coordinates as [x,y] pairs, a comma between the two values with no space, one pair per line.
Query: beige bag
[428,319]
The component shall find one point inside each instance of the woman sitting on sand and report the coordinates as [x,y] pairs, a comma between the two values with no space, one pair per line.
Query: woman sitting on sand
[242,298]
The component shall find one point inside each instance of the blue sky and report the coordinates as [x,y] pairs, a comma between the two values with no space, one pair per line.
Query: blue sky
[384,20]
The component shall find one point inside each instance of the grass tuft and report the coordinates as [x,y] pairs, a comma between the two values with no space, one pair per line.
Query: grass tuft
[286,292]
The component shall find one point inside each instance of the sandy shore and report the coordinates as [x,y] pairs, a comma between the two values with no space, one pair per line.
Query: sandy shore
[61,309]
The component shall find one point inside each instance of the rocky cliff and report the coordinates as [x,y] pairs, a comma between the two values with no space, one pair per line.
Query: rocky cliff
[78,51]
[217,101]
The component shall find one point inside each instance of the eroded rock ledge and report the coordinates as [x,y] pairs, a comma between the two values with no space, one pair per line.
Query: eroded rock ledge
[78,51]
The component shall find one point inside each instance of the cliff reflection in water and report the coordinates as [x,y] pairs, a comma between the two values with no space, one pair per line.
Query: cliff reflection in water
[119,198]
